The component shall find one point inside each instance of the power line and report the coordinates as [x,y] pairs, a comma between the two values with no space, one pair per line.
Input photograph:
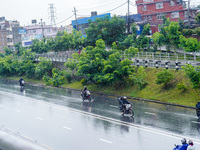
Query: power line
[115,8]
[66,19]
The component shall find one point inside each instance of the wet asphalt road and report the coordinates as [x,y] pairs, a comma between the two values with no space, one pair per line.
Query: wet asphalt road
[53,118]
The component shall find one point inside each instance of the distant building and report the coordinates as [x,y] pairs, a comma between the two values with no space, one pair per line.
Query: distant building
[10,29]
[3,40]
[82,24]
[135,18]
[153,10]
[36,31]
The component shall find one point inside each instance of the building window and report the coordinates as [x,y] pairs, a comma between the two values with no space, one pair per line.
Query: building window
[172,3]
[159,5]
[145,18]
[175,14]
[145,8]
[150,17]
[186,13]
[159,16]
[34,31]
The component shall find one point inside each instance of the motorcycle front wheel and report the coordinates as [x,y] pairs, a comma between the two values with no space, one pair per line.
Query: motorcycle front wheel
[89,99]
[131,112]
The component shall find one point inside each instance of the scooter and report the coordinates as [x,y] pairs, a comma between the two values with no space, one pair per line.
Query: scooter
[125,108]
[22,84]
[86,96]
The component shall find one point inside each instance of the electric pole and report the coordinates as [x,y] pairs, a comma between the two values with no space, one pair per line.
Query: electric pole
[189,12]
[75,16]
[42,28]
[128,18]
[52,14]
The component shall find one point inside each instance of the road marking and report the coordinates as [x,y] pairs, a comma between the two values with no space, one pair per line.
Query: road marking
[114,106]
[46,146]
[26,137]
[150,113]
[67,128]
[38,118]
[195,122]
[135,126]
[45,92]
[18,111]
[105,141]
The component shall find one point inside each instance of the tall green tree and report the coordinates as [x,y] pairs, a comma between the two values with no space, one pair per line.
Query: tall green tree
[109,29]
[197,18]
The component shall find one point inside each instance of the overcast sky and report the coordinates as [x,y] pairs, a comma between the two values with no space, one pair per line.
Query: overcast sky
[26,10]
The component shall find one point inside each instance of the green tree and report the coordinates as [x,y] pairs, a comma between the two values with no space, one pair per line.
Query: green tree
[44,66]
[189,44]
[109,29]
[158,39]
[194,75]
[197,18]
[8,51]
[164,77]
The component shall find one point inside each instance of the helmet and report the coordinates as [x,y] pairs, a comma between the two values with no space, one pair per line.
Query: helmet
[124,97]
[183,141]
[190,142]
[85,86]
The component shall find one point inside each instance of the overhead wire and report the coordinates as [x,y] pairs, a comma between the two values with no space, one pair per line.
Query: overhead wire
[66,19]
[114,8]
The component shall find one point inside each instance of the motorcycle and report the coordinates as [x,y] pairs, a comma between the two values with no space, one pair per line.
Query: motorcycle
[86,96]
[198,109]
[180,147]
[22,84]
[127,108]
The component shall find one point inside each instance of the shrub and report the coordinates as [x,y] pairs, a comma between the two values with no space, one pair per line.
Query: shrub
[182,86]
[84,82]
[45,66]
[164,77]
[187,32]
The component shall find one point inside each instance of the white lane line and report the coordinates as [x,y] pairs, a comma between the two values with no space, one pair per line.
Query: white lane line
[3,129]
[18,111]
[135,126]
[38,118]
[26,137]
[67,128]
[1,105]
[46,146]
[150,113]
[64,96]
[195,122]
[45,92]
[105,141]
[114,106]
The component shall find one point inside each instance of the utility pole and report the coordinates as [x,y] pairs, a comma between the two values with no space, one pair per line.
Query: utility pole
[52,14]
[128,17]
[189,12]
[42,29]
[75,16]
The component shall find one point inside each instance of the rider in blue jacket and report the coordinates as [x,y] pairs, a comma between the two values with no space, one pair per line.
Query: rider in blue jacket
[183,146]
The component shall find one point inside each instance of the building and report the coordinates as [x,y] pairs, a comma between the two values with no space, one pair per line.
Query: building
[82,24]
[134,18]
[3,40]
[153,10]
[36,31]
[10,29]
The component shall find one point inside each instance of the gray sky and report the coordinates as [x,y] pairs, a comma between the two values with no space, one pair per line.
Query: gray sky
[26,10]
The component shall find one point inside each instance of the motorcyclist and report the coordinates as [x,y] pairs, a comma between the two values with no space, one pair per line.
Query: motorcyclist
[124,102]
[85,91]
[20,81]
[183,146]
[191,145]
